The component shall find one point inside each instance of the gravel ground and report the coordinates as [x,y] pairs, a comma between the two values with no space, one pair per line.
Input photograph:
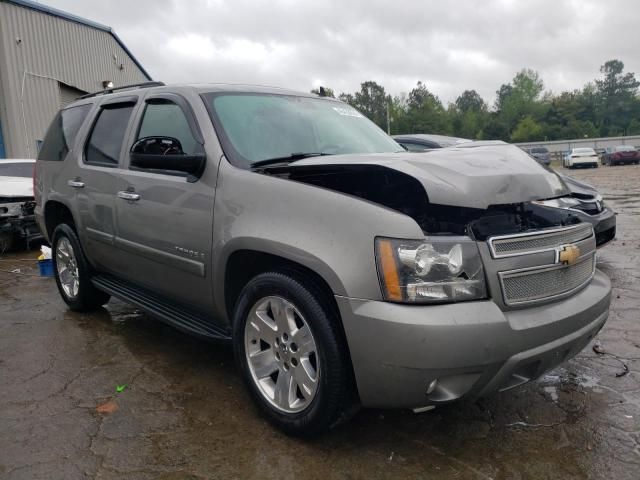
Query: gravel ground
[183,412]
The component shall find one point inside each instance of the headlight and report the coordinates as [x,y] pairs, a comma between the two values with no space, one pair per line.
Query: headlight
[591,206]
[562,202]
[436,269]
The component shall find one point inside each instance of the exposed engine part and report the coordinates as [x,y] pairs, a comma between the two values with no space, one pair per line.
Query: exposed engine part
[17,222]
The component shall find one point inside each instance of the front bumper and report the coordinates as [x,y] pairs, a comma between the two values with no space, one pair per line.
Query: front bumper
[604,224]
[470,348]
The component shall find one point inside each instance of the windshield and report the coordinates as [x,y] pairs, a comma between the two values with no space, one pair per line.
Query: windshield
[584,150]
[256,127]
[625,148]
[539,150]
[8,169]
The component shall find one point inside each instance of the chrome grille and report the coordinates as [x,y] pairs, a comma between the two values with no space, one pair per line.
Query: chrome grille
[531,284]
[527,243]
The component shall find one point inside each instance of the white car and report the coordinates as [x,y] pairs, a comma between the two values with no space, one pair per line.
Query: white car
[17,222]
[581,157]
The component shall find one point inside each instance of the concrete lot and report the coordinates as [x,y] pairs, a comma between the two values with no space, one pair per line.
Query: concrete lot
[184,413]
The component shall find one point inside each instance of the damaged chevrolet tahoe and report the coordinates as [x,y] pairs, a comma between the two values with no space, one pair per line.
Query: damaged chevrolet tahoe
[344,270]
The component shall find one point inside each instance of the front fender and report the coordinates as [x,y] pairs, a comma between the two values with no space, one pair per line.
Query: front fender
[328,232]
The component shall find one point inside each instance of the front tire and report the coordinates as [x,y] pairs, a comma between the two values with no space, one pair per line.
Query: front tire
[291,353]
[72,272]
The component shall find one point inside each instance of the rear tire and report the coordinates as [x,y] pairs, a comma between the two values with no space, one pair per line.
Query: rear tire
[72,272]
[301,395]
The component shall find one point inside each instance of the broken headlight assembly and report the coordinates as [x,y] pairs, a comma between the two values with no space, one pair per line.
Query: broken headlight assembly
[591,206]
[433,270]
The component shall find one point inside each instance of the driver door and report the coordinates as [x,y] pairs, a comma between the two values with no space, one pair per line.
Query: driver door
[164,220]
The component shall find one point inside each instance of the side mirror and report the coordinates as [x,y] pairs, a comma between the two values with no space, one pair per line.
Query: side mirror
[165,155]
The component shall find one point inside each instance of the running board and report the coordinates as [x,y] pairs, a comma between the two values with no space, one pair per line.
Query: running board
[159,307]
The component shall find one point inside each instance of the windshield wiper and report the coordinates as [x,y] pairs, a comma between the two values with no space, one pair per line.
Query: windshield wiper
[288,159]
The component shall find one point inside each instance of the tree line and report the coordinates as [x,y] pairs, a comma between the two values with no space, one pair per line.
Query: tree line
[522,112]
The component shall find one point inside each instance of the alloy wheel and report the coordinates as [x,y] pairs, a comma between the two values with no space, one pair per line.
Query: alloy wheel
[67,267]
[281,354]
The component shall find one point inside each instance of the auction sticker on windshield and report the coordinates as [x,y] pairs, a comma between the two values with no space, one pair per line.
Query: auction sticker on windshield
[348,112]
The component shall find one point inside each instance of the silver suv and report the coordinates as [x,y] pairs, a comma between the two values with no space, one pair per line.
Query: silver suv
[344,270]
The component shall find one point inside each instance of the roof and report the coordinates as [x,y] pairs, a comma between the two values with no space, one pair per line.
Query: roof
[249,88]
[83,21]
[200,88]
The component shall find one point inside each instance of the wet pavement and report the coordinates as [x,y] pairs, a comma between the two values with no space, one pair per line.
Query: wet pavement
[183,413]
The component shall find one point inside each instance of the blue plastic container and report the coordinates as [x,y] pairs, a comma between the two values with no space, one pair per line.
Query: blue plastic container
[46,268]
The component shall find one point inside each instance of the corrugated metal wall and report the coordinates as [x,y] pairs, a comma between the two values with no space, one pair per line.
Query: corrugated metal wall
[68,94]
[37,52]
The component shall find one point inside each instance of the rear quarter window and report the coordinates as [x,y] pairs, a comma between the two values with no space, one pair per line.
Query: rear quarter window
[63,132]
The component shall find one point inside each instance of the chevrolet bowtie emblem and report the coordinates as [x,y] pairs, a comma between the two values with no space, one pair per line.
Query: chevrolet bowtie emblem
[567,254]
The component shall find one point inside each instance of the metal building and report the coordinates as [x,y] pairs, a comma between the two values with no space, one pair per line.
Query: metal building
[48,58]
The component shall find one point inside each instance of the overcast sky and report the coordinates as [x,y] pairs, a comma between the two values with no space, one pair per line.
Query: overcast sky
[450,45]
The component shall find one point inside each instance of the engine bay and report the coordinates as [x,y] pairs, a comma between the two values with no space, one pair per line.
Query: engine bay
[403,193]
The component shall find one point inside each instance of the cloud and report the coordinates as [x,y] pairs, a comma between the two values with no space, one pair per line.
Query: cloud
[451,46]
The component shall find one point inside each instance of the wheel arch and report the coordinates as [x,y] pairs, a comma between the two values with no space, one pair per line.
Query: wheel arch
[244,264]
[55,213]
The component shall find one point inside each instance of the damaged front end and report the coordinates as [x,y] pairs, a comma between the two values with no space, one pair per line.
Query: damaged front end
[406,194]
[17,221]
[461,212]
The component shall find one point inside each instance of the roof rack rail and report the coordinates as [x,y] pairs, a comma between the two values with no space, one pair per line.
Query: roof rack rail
[124,87]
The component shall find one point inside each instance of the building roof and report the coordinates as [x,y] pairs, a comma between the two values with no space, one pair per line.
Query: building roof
[83,21]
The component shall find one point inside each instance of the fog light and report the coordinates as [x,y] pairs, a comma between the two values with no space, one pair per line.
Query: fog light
[432,386]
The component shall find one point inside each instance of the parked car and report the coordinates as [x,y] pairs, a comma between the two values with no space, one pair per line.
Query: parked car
[586,203]
[581,157]
[17,221]
[540,153]
[621,155]
[419,142]
[344,270]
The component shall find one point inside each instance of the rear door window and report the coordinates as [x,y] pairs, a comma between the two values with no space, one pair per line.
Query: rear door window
[62,133]
[105,142]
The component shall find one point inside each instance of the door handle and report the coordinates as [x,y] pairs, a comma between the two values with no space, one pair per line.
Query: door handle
[128,196]
[75,183]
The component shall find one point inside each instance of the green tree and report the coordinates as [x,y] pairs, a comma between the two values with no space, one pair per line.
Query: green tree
[468,115]
[617,95]
[519,99]
[372,101]
[527,130]
[425,113]
[470,100]
[634,127]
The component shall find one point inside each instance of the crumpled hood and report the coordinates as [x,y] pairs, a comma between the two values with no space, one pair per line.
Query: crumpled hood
[578,187]
[474,175]
[15,187]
